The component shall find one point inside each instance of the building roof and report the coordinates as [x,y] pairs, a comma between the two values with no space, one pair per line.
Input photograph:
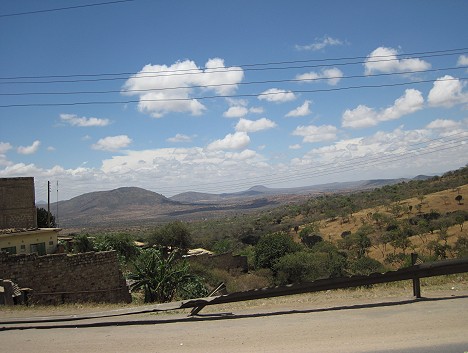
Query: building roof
[26,231]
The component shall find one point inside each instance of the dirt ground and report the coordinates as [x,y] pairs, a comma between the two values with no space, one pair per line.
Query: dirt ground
[379,319]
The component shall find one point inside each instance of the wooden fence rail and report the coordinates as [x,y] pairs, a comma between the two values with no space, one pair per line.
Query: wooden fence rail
[414,273]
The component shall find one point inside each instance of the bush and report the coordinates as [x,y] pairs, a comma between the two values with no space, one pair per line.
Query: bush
[271,247]
[302,266]
[365,266]
[163,278]
[172,235]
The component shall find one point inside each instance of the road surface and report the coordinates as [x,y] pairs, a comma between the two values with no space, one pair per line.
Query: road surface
[435,324]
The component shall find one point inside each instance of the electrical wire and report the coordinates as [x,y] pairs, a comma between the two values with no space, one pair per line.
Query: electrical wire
[221,69]
[455,140]
[65,8]
[262,94]
[235,84]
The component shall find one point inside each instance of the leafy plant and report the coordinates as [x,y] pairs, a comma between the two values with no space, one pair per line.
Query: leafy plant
[162,278]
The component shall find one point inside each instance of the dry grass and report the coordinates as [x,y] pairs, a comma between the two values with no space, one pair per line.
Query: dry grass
[442,202]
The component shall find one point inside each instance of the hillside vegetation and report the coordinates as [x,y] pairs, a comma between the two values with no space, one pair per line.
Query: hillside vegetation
[331,235]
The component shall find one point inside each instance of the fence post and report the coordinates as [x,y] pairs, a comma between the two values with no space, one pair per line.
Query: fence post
[416,282]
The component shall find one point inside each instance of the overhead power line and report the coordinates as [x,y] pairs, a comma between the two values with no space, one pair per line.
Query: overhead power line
[314,171]
[64,8]
[305,80]
[261,94]
[234,68]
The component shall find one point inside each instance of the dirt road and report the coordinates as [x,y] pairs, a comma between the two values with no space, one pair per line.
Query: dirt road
[438,323]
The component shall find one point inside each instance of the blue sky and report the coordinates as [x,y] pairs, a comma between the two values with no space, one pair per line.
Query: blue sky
[219,96]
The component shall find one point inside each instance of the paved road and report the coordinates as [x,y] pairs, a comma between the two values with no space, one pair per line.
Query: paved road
[439,324]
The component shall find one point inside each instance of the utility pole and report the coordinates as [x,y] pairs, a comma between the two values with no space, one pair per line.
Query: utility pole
[48,204]
[56,213]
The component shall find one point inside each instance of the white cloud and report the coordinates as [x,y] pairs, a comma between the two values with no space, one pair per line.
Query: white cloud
[320,43]
[256,110]
[312,133]
[462,60]
[179,138]
[357,151]
[112,143]
[51,148]
[302,110]
[236,141]
[74,120]
[363,116]
[332,76]
[236,112]
[4,148]
[165,89]
[385,59]
[295,147]
[29,149]
[443,124]
[245,125]
[277,95]
[447,91]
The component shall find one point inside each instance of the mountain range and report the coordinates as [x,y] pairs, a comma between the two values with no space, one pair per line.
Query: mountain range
[132,206]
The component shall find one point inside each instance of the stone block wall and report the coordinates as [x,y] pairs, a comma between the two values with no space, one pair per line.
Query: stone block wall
[17,203]
[62,278]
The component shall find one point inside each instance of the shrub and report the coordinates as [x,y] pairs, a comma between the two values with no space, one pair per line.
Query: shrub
[271,247]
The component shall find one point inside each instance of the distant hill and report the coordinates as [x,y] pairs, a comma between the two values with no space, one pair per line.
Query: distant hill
[261,191]
[132,206]
[114,206]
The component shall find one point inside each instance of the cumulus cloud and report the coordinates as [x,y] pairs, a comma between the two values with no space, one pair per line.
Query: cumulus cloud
[385,59]
[313,133]
[4,148]
[169,89]
[302,110]
[354,151]
[236,112]
[332,76]
[179,138]
[447,91]
[29,149]
[462,60]
[320,43]
[112,143]
[294,147]
[363,116]
[75,120]
[277,95]
[245,125]
[443,124]
[256,110]
[236,141]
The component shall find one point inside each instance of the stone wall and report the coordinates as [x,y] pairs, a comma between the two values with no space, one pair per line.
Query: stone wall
[17,203]
[62,278]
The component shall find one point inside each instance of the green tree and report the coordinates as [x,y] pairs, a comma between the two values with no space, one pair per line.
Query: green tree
[163,278]
[172,235]
[271,247]
[365,266]
[302,266]
[459,199]
[42,218]
[122,243]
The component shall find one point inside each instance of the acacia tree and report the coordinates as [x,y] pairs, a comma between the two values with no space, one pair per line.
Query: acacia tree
[173,235]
